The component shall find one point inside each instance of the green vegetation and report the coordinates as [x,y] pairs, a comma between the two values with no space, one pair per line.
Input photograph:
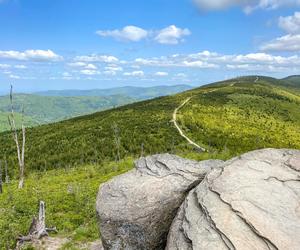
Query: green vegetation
[70,196]
[46,109]
[227,118]
[52,106]
[240,118]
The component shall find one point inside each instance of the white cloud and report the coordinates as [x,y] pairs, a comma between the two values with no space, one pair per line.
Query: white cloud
[97,58]
[160,73]
[4,66]
[90,66]
[21,66]
[181,75]
[247,5]
[262,62]
[31,55]
[89,72]
[113,68]
[66,74]
[109,72]
[168,35]
[291,24]
[179,61]
[128,33]
[134,73]
[77,64]
[288,42]
[171,35]
[199,64]
[14,77]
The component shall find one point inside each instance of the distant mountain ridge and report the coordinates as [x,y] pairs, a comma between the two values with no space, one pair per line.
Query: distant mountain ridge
[52,106]
[130,91]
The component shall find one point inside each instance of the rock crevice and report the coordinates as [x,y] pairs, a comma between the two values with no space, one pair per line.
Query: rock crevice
[167,202]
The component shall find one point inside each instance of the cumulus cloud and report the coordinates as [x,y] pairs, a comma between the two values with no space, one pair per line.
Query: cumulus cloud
[161,73]
[168,35]
[97,58]
[4,66]
[14,77]
[20,66]
[89,72]
[247,5]
[291,24]
[171,35]
[128,33]
[31,55]
[262,62]
[288,42]
[190,61]
[138,73]
[180,75]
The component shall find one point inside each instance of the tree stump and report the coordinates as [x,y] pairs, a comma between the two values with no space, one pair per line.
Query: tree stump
[37,228]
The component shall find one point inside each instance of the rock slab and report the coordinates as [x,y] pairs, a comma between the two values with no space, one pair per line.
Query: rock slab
[251,202]
[135,210]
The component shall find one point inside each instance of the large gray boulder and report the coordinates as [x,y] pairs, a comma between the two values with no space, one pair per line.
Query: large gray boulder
[252,202]
[135,210]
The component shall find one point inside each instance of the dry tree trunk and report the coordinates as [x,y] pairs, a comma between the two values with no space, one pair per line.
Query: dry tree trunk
[1,189]
[20,151]
[6,171]
[38,227]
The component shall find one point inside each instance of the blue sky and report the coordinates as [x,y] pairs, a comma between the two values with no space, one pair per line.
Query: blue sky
[66,44]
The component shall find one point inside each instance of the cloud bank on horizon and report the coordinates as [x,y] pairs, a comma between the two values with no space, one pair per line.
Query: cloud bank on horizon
[159,53]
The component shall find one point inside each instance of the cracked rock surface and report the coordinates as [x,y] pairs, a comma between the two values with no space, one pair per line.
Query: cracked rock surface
[251,202]
[135,210]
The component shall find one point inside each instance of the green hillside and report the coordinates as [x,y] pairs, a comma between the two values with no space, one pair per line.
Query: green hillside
[52,106]
[239,115]
[46,109]
[66,161]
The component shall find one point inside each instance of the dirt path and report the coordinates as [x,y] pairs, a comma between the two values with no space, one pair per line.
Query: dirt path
[180,130]
[56,243]
[190,141]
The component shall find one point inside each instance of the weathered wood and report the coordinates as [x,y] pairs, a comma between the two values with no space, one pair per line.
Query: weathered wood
[38,227]
[6,171]
[20,151]
[1,189]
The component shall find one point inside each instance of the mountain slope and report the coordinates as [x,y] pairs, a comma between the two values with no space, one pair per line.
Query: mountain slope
[140,93]
[239,115]
[292,81]
[46,109]
[52,106]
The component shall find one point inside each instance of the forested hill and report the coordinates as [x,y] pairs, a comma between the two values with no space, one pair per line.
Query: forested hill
[227,118]
[138,93]
[53,106]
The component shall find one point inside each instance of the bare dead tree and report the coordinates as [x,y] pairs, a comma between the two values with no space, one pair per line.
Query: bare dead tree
[117,140]
[20,150]
[6,171]
[38,227]
[1,189]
